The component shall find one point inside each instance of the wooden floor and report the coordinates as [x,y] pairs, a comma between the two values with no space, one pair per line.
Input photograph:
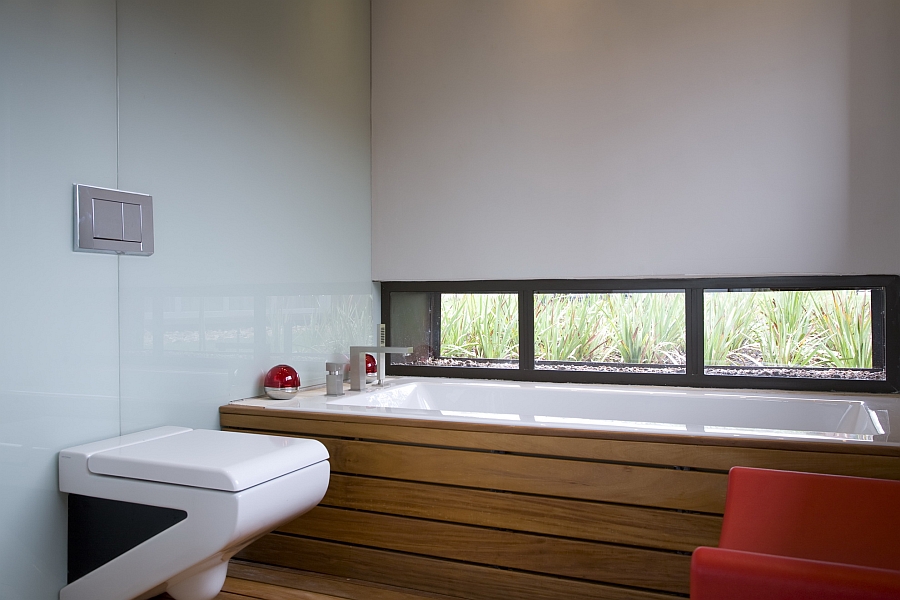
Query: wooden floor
[247,581]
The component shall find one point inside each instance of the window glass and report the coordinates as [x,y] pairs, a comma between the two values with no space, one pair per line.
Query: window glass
[615,331]
[456,330]
[414,323]
[820,334]
[480,330]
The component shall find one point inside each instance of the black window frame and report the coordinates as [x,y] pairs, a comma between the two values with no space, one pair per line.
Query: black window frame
[888,315]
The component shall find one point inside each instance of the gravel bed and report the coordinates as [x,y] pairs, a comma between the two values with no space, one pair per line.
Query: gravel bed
[739,371]
[463,362]
[607,368]
[820,373]
[498,364]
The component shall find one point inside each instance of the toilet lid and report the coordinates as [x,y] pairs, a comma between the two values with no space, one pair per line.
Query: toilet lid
[218,460]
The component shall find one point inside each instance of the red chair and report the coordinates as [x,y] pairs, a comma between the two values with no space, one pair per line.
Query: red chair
[801,536]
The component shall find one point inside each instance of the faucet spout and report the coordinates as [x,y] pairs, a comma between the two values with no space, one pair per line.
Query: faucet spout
[358,363]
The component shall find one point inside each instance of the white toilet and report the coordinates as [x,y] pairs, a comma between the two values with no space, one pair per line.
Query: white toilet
[163,510]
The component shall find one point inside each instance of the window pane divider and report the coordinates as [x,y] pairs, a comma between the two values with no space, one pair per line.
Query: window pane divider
[693,324]
[526,329]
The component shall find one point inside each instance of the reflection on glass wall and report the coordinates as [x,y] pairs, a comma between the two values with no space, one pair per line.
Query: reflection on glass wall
[610,331]
[790,333]
[218,347]
[202,324]
[301,325]
[318,325]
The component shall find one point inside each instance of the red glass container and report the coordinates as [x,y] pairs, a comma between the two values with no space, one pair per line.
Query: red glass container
[371,365]
[282,382]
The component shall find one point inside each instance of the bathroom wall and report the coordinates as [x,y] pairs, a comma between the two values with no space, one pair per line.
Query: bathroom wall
[621,138]
[249,125]
[248,122]
[59,382]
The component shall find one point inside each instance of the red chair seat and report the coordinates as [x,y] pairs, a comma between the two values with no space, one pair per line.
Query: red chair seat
[803,535]
[720,573]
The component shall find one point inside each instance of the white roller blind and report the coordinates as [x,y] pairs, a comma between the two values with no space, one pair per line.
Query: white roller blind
[608,138]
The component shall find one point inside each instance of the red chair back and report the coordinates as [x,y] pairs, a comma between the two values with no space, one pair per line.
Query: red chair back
[831,518]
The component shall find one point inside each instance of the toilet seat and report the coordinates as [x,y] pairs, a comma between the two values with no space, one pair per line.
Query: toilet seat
[217,460]
[233,487]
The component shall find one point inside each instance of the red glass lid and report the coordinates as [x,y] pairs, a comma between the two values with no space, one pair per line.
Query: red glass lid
[282,376]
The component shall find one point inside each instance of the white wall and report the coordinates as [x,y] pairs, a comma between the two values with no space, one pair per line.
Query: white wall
[608,138]
[249,124]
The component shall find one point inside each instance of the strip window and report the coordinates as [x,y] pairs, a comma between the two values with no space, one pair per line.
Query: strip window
[798,333]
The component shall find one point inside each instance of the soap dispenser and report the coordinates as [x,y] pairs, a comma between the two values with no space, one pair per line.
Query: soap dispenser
[334,379]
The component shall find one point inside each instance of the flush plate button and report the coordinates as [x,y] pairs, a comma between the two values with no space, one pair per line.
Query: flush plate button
[113,221]
[107,220]
[131,222]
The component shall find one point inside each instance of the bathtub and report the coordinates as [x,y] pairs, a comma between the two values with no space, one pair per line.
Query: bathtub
[663,410]
[482,489]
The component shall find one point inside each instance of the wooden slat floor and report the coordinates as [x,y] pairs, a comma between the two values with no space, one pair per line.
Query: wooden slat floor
[247,581]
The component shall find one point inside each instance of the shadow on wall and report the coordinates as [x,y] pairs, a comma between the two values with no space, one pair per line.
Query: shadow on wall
[874,132]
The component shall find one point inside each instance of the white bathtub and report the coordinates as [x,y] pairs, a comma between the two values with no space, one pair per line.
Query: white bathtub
[740,413]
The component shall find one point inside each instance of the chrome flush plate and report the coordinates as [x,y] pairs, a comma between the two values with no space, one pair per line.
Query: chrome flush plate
[113,221]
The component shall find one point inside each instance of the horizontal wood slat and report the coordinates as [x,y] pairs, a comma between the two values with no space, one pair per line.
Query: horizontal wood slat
[679,453]
[535,514]
[428,574]
[647,486]
[247,590]
[341,587]
[521,551]
[229,596]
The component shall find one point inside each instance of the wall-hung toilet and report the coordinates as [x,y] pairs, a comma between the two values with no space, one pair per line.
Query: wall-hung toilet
[164,509]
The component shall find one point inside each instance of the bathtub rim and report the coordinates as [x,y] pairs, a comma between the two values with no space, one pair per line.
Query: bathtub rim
[264,406]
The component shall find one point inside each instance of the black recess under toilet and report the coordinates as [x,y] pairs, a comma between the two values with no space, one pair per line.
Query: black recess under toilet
[100,530]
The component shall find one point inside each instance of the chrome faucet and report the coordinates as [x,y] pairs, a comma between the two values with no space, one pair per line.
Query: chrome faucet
[358,363]
[358,360]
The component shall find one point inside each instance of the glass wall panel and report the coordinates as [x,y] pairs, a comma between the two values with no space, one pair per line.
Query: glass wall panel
[613,331]
[234,290]
[59,377]
[825,334]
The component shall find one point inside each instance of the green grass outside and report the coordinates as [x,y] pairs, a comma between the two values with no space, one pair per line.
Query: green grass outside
[796,329]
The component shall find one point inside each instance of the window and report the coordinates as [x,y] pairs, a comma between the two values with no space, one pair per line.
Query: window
[610,332]
[476,330]
[816,333]
[823,334]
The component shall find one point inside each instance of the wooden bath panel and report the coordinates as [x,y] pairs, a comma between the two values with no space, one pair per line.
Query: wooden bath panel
[584,480]
[601,522]
[482,511]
